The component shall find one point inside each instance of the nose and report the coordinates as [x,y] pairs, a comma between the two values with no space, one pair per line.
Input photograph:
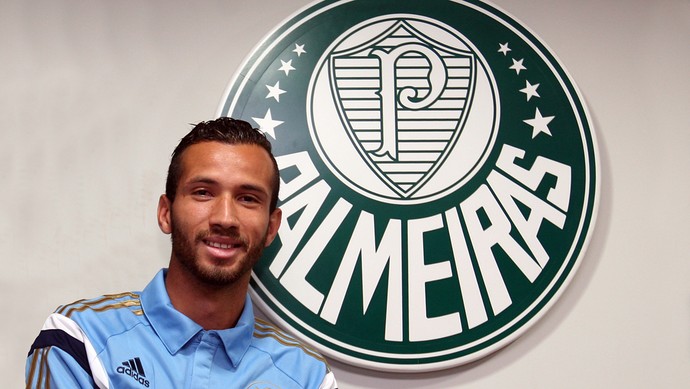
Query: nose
[224,212]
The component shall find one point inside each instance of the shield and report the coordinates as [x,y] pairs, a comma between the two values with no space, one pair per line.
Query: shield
[403,98]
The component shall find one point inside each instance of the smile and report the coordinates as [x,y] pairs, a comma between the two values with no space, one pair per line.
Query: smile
[221,245]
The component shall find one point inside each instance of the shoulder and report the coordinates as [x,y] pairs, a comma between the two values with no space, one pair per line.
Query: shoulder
[102,316]
[105,303]
[124,305]
[280,343]
[73,336]
[287,353]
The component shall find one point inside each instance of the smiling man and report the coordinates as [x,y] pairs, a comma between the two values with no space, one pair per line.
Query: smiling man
[193,326]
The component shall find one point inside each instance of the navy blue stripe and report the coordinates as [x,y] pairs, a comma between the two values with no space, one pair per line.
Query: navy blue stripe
[140,368]
[66,343]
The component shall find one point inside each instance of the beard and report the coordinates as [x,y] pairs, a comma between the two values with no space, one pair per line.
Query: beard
[213,275]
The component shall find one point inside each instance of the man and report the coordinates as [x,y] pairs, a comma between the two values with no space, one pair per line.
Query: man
[193,325]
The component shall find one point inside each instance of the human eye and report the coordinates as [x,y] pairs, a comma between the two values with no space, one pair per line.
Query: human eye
[248,199]
[252,196]
[201,193]
[252,200]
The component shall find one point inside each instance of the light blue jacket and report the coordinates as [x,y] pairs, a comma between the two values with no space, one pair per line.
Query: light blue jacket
[138,340]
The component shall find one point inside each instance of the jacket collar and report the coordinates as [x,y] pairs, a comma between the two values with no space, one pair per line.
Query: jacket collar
[177,331]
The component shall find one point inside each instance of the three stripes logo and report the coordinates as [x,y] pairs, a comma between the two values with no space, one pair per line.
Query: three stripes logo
[134,369]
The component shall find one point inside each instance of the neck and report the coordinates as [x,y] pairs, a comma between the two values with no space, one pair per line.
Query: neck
[212,307]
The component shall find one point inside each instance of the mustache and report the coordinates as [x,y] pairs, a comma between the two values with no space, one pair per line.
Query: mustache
[231,233]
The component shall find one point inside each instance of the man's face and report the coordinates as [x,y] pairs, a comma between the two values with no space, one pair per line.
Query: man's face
[220,220]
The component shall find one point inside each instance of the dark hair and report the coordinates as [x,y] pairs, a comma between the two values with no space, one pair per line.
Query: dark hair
[224,130]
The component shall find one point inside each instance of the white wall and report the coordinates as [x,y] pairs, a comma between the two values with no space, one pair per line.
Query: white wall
[95,94]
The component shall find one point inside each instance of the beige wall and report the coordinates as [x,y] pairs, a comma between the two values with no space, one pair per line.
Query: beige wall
[95,94]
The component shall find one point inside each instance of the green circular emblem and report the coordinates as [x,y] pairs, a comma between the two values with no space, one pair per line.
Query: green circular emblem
[439,177]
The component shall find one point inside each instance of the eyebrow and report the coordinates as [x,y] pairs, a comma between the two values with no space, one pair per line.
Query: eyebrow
[210,181]
[202,179]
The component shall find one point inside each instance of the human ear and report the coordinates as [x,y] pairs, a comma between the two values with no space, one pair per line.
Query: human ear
[273,225]
[164,214]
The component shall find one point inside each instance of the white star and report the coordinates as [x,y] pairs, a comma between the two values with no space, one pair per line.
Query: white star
[517,66]
[539,124]
[267,124]
[275,91]
[530,90]
[286,66]
[504,48]
[299,49]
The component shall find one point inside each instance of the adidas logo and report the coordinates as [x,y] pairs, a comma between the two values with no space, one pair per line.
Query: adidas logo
[134,369]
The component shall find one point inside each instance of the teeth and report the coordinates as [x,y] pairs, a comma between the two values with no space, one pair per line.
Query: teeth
[219,245]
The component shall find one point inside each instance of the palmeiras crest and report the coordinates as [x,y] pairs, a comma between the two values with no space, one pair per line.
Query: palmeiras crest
[401,89]
[402,97]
